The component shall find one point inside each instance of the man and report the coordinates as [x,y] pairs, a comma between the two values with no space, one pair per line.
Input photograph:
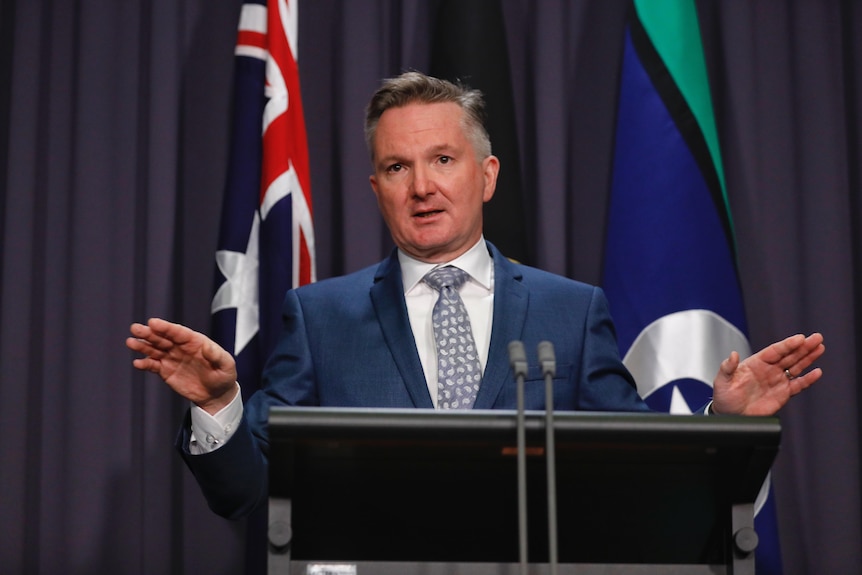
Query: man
[369,339]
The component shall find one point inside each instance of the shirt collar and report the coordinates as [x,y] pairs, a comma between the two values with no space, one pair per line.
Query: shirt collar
[476,261]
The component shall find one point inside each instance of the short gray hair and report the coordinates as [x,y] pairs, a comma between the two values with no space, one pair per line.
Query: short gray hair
[418,88]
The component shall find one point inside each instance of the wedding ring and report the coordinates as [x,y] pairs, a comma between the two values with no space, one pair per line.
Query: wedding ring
[788,374]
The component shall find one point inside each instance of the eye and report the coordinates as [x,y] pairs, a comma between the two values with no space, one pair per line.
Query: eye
[395,168]
[445,159]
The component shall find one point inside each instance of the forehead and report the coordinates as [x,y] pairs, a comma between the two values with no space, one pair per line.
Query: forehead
[420,123]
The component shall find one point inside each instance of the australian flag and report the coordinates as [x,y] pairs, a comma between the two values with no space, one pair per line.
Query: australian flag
[266,240]
[670,259]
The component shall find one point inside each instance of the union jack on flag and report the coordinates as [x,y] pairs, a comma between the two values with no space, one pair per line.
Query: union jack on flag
[266,239]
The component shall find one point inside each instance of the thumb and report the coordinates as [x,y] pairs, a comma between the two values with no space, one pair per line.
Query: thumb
[729,365]
[214,354]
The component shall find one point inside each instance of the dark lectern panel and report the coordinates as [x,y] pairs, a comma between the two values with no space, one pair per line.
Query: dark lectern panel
[393,485]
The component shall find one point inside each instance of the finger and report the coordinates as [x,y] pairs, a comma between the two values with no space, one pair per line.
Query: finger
[158,324]
[802,382]
[153,342]
[816,353]
[805,356]
[135,344]
[815,339]
[175,333]
[147,364]
[141,346]
[163,335]
[793,349]
[130,341]
[140,330]
[779,352]
[811,344]
[804,363]
[144,348]
[147,334]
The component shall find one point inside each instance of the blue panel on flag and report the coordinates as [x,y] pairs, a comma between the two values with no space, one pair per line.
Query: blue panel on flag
[276,247]
[242,191]
[694,392]
[666,248]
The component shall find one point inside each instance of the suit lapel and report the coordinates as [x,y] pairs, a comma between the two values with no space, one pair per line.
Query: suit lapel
[387,296]
[510,312]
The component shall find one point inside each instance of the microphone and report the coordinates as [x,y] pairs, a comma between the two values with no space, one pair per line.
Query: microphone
[548,362]
[518,361]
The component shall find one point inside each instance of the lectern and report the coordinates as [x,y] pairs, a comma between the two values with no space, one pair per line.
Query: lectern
[383,491]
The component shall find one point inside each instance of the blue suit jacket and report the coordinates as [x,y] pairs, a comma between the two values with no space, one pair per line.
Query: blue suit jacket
[347,342]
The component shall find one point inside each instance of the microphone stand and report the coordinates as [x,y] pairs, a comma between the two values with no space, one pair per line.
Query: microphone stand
[548,362]
[518,361]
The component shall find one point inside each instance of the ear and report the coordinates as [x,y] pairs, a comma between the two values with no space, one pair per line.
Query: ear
[372,179]
[490,168]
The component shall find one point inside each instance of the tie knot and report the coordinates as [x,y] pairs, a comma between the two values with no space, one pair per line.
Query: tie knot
[448,276]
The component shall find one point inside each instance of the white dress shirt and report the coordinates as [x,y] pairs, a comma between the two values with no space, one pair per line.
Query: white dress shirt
[209,432]
[477,294]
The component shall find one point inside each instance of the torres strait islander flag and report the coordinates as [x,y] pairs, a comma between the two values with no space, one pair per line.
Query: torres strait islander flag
[266,241]
[670,268]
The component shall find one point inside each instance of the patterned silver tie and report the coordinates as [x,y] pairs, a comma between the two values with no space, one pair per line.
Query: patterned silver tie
[459,372]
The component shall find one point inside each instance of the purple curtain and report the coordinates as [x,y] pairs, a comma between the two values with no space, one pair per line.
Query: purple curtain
[113,137]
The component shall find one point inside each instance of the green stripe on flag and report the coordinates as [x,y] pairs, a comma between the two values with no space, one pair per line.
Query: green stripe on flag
[674,30]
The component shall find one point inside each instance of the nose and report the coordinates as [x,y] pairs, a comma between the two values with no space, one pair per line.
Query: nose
[423,182]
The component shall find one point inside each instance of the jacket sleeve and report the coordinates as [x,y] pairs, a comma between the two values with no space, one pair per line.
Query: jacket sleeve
[604,383]
[233,478]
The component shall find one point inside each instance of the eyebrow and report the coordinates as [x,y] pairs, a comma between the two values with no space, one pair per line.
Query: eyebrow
[435,150]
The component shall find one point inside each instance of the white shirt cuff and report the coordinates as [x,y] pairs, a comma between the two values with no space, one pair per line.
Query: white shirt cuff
[209,432]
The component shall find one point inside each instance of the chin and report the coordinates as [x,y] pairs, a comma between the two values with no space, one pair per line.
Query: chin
[427,244]
[426,252]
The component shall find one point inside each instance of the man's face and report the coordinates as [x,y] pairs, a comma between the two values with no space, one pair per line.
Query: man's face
[429,184]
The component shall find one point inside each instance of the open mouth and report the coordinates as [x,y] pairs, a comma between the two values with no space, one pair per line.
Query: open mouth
[427,214]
